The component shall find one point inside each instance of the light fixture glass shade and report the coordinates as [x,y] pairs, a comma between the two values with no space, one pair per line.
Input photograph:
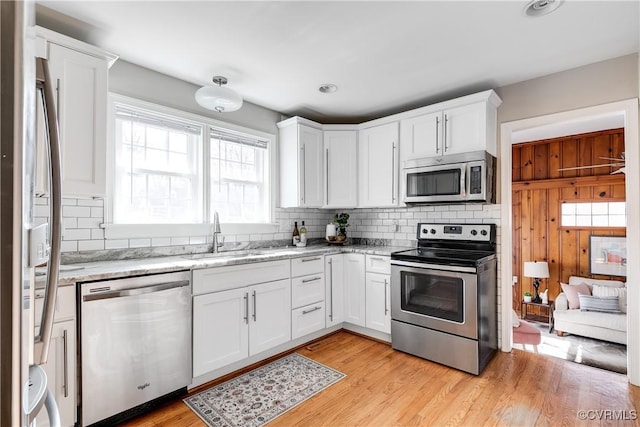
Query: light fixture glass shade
[218,98]
[536,269]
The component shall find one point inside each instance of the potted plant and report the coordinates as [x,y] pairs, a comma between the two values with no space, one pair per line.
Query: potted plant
[527,296]
[341,221]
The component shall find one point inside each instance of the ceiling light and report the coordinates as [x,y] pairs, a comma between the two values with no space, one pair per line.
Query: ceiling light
[219,98]
[328,88]
[541,7]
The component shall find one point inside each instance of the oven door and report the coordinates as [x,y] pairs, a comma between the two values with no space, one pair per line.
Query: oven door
[443,298]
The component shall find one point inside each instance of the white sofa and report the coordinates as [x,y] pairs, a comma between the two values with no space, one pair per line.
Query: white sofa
[602,326]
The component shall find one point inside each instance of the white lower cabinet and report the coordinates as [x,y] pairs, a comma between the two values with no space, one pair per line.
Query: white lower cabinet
[61,373]
[378,303]
[354,289]
[307,319]
[231,325]
[61,365]
[334,289]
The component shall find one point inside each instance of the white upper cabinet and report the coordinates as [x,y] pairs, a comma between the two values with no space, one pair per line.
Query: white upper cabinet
[378,166]
[458,126]
[341,168]
[79,73]
[301,164]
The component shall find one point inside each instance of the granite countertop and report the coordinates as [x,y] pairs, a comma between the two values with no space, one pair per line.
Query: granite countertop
[90,271]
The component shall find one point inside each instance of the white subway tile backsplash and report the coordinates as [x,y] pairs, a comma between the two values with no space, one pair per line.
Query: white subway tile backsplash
[91,245]
[89,222]
[161,241]
[77,234]
[116,244]
[139,243]
[90,202]
[76,211]
[179,241]
[97,212]
[69,202]
[97,233]
[69,246]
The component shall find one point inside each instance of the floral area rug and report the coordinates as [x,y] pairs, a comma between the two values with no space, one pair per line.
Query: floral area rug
[259,396]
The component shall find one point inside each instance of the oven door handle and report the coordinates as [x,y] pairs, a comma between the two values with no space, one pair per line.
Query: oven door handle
[426,266]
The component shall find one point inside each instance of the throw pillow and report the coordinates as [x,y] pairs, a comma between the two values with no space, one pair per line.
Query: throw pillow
[604,304]
[609,291]
[572,292]
[515,320]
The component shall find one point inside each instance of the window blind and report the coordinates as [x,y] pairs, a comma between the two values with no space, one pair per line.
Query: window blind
[148,118]
[237,138]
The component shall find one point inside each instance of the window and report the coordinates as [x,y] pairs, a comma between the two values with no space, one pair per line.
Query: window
[596,214]
[158,172]
[173,167]
[237,177]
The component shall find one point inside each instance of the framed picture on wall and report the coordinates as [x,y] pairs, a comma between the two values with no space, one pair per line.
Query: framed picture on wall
[608,255]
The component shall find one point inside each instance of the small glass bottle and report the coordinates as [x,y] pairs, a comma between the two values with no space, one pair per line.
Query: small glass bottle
[303,234]
[296,234]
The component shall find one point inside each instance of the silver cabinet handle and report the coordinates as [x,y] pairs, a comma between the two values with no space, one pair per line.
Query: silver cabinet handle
[437,133]
[255,317]
[65,366]
[377,258]
[386,310]
[330,261]
[393,172]
[446,120]
[315,279]
[310,259]
[311,310]
[327,175]
[246,308]
[303,171]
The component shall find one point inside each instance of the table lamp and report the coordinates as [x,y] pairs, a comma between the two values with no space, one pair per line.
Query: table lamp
[537,270]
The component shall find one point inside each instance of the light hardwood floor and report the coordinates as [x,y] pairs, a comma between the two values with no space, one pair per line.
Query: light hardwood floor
[384,387]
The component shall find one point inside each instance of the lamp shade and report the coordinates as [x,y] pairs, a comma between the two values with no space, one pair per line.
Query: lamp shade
[536,269]
[218,98]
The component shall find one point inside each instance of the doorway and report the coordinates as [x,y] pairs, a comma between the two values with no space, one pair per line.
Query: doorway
[510,131]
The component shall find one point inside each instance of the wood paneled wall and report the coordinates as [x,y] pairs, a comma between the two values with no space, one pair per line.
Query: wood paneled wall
[539,189]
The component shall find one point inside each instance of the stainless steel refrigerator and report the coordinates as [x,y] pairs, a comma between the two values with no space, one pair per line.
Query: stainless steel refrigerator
[23,245]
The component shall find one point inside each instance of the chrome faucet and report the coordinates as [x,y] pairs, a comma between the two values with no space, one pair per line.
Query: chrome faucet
[218,239]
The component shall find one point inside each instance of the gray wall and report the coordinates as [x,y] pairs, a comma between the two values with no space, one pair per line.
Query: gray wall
[594,84]
[126,78]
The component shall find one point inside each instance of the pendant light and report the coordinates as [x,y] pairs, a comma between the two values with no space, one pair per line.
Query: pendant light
[218,98]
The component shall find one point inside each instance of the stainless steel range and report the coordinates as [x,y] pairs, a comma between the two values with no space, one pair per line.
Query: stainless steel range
[443,296]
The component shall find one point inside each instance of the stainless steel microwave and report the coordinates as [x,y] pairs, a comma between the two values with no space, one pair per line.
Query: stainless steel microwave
[465,177]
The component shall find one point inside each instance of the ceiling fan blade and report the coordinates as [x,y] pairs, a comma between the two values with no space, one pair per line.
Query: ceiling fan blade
[621,170]
[592,166]
[613,158]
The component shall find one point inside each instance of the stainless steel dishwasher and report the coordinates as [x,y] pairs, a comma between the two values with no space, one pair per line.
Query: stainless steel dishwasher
[135,342]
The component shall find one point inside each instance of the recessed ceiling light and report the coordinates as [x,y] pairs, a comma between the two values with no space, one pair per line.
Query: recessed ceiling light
[328,88]
[541,7]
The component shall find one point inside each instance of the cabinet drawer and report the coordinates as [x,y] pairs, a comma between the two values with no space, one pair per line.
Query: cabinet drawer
[378,264]
[237,276]
[65,304]
[307,265]
[307,290]
[307,319]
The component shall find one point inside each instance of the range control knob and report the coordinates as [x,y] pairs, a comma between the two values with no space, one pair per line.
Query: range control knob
[433,231]
[474,232]
[483,232]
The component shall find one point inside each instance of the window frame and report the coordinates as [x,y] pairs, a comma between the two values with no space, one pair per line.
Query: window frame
[561,226]
[125,231]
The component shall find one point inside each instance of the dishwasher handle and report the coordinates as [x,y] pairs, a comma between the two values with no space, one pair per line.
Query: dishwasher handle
[135,291]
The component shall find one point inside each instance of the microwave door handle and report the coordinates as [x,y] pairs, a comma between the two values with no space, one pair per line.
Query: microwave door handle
[463,182]
[43,339]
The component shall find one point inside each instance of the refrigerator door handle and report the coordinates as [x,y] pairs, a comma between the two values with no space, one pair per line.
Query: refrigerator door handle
[43,82]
